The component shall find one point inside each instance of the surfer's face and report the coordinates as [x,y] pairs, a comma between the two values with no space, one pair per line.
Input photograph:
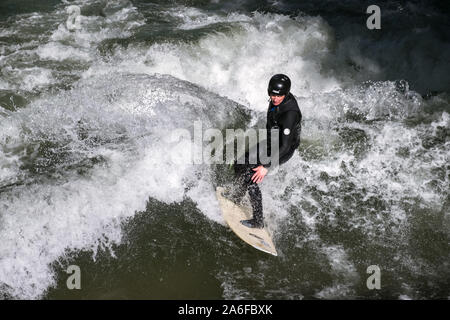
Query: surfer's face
[276,100]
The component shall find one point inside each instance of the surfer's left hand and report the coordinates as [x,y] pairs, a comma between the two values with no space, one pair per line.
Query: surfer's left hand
[259,174]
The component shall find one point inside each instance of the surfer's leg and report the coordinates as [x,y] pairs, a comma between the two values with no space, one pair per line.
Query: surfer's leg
[255,199]
[240,182]
[243,177]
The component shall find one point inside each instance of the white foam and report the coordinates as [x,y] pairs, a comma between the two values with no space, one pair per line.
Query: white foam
[59,52]
[42,220]
[60,44]
[235,64]
[205,197]
[35,77]
[194,18]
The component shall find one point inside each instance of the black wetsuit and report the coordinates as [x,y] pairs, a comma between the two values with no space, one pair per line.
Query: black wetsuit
[286,117]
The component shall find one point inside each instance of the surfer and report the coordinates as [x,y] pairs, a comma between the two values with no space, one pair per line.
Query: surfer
[283,114]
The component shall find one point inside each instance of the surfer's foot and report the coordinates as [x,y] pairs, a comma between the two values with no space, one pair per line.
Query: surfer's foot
[253,223]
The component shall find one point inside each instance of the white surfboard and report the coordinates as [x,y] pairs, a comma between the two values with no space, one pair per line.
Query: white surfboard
[233,214]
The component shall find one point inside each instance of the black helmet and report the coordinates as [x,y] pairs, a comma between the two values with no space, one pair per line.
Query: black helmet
[279,85]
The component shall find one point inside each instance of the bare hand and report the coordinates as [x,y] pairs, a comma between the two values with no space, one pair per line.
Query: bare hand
[259,174]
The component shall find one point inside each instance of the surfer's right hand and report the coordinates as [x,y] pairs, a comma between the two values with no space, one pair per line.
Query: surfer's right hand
[259,175]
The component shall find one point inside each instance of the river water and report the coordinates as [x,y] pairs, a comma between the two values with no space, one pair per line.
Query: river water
[89,178]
